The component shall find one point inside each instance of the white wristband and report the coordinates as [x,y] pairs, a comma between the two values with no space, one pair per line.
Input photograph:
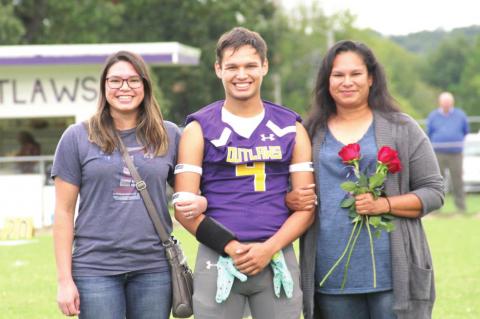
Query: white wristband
[301,167]
[181,196]
[181,168]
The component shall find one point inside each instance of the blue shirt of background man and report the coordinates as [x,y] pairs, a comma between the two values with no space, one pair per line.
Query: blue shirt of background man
[336,225]
[447,131]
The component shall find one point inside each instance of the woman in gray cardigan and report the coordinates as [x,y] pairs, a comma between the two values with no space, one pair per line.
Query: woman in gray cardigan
[352,105]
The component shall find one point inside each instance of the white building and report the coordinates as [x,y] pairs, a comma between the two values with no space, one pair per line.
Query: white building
[43,89]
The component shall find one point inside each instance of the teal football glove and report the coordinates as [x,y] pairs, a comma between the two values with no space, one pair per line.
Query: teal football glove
[227,272]
[281,276]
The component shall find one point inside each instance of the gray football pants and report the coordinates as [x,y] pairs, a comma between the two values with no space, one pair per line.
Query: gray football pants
[257,291]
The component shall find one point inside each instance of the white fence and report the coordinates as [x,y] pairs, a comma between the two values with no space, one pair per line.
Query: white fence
[29,194]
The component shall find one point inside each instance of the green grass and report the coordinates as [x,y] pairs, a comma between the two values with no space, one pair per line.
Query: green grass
[28,284]
[454,244]
[27,281]
[472,201]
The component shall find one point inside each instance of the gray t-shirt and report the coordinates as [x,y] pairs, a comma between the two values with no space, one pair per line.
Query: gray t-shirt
[113,232]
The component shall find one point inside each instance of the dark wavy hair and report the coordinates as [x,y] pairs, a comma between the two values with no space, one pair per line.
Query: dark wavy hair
[323,106]
[150,130]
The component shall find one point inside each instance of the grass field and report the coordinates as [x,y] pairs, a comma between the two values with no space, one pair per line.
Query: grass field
[28,287]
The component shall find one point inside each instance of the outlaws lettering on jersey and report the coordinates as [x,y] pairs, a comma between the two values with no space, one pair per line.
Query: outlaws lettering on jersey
[259,153]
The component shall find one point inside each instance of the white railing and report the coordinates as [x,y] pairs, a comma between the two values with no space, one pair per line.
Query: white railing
[15,165]
[27,192]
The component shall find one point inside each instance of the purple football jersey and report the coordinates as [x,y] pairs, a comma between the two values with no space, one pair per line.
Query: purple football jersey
[246,180]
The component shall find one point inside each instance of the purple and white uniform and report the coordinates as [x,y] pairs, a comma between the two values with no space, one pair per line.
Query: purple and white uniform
[246,179]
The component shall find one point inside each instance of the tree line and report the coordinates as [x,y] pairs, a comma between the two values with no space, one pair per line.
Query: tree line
[297,40]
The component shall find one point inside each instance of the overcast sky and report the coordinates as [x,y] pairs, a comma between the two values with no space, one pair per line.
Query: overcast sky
[405,16]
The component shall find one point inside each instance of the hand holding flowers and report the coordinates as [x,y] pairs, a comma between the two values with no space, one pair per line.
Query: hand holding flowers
[364,202]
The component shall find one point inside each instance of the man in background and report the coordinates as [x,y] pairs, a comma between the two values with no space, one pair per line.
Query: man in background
[447,127]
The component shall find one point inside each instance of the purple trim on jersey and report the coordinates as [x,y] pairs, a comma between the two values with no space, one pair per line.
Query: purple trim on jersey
[246,180]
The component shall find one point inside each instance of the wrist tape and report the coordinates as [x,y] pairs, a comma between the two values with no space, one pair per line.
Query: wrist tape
[301,167]
[182,196]
[182,168]
[214,235]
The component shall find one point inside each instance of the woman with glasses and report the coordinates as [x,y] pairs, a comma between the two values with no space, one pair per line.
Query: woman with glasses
[117,268]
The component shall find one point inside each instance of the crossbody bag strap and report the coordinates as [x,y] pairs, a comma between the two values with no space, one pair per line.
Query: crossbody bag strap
[141,187]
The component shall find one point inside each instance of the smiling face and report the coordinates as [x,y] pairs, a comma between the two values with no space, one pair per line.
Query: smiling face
[349,82]
[124,100]
[241,72]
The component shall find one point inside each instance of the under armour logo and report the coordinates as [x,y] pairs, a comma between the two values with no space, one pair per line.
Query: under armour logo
[270,137]
[210,265]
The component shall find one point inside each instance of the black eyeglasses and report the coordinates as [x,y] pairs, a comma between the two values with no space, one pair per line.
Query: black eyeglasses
[116,82]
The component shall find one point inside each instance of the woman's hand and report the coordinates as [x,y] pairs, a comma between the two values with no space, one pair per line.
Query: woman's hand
[68,299]
[191,208]
[365,204]
[302,198]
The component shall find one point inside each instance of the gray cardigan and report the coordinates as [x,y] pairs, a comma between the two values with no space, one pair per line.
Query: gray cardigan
[412,270]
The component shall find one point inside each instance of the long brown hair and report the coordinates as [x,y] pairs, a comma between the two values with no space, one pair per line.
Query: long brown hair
[150,130]
[324,106]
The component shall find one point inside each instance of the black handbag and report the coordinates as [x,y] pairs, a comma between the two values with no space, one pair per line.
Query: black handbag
[182,277]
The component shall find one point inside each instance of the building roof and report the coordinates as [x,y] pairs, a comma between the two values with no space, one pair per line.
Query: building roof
[154,53]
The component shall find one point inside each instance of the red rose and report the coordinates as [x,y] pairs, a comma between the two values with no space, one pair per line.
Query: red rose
[389,157]
[350,153]
[394,166]
[386,155]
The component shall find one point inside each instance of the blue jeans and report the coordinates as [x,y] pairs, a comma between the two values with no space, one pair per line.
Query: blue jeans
[377,305]
[130,295]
